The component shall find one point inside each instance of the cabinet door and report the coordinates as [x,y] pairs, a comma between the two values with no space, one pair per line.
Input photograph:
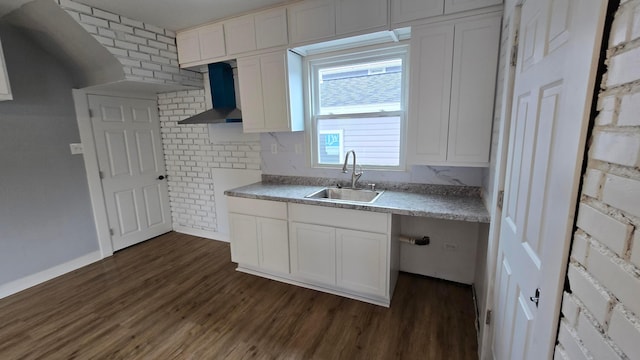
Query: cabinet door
[452,6]
[313,252]
[406,10]
[211,41]
[250,82]
[311,20]
[271,28]
[359,15]
[475,59]
[273,240]
[188,43]
[431,59]
[274,77]
[244,239]
[5,88]
[362,261]
[240,35]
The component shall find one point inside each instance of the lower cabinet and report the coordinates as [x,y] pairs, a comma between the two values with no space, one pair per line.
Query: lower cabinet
[259,236]
[353,253]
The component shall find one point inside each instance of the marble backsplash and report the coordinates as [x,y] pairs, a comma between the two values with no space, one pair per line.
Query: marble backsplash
[291,159]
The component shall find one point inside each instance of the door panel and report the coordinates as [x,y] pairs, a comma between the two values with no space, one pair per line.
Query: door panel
[127,137]
[553,88]
[313,252]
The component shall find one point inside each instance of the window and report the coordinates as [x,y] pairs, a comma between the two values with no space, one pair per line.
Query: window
[357,102]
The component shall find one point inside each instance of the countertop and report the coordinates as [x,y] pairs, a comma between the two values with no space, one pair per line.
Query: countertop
[438,206]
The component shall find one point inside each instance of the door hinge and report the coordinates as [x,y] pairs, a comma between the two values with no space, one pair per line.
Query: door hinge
[487,318]
[500,199]
[111,232]
[101,174]
[514,49]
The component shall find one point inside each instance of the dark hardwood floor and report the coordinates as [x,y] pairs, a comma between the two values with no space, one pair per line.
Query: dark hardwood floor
[179,297]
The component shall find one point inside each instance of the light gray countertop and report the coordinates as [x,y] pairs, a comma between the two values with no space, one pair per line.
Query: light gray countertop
[439,206]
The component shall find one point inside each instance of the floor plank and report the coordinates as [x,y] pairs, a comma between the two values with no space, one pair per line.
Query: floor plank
[179,297]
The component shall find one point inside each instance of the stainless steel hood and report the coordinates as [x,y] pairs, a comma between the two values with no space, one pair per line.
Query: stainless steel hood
[223,98]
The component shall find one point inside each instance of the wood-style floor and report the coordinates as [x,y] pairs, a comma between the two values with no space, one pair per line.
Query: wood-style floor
[179,297]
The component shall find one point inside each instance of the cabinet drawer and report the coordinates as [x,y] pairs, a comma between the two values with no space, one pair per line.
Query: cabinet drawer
[264,208]
[339,218]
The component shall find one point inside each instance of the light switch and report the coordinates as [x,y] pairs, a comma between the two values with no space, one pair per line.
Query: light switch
[76,148]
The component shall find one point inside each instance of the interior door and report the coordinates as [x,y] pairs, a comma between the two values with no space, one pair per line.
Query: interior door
[129,149]
[559,43]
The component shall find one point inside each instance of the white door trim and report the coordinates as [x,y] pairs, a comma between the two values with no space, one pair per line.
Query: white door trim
[81,101]
[513,16]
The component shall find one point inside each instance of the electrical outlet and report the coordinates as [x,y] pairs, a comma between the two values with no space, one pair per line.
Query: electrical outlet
[274,148]
[450,247]
[76,148]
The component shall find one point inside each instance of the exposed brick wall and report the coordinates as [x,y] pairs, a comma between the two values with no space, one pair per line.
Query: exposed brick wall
[601,316]
[190,156]
[147,53]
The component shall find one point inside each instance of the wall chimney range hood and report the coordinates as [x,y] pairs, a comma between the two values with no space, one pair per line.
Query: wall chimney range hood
[223,98]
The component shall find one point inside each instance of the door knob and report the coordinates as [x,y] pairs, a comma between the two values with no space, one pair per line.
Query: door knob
[161,177]
[536,298]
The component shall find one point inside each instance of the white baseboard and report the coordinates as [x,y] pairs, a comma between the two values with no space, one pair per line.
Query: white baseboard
[45,275]
[201,233]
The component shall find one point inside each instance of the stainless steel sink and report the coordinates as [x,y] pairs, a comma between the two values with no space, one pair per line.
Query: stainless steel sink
[346,195]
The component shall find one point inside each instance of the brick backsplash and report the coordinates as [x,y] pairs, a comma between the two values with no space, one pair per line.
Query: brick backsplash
[147,53]
[190,156]
[601,315]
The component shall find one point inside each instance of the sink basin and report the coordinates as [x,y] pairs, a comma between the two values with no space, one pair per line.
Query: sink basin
[346,195]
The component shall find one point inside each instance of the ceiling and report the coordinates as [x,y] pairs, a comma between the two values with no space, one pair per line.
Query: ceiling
[169,14]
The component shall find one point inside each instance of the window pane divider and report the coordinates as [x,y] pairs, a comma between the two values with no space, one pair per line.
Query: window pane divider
[361,115]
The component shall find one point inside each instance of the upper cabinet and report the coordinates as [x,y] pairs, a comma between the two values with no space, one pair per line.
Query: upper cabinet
[271,28]
[407,10]
[452,91]
[452,6]
[206,42]
[223,41]
[271,92]
[312,20]
[5,89]
[360,15]
[240,35]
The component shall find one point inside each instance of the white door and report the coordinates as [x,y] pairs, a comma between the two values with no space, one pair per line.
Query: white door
[554,82]
[128,144]
[313,252]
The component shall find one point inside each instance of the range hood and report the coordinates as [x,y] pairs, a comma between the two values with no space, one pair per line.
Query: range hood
[223,97]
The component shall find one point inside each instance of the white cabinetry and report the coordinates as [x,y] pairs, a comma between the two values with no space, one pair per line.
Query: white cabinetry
[5,88]
[313,252]
[259,237]
[361,260]
[407,10]
[271,92]
[360,15]
[206,42]
[271,28]
[240,35]
[312,20]
[452,6]
[347,250]
[451,101]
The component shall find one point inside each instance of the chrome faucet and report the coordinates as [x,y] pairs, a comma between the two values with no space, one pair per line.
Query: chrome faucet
[355,176]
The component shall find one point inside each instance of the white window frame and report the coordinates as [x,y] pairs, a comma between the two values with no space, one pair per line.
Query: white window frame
[372,53]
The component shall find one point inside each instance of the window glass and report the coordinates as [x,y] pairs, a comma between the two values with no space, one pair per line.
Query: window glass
[358,104]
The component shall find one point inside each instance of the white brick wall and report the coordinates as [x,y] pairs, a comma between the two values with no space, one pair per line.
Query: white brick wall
[190,156]
[147,53]
[601,316]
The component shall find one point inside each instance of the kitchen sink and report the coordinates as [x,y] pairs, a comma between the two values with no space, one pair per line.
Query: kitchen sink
[346,195]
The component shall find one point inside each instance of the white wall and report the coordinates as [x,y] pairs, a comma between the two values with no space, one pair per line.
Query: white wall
[45,210]
[601,314]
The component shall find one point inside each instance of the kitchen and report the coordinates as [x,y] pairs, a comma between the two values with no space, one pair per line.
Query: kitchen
[277,153]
